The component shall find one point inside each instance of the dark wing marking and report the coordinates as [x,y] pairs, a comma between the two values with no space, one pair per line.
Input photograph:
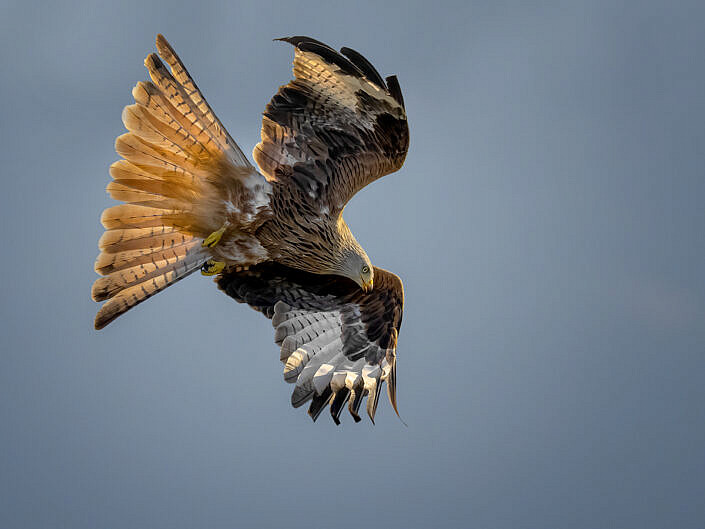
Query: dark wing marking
[338,344]
[333,129]
[364,66]
[395,89]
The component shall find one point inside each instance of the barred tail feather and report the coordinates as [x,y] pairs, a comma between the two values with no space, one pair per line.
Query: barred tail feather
[139,262]
[125,289]
[107,263]
[174,154]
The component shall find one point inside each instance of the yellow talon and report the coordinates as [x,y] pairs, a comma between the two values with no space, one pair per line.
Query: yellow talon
[214,238]
[212,267]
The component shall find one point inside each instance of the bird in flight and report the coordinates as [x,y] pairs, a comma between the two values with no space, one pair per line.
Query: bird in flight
[275,237]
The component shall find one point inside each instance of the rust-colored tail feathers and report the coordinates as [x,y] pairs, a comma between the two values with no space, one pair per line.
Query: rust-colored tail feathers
[172,154]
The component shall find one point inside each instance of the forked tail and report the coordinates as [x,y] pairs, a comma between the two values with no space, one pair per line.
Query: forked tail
[174,154]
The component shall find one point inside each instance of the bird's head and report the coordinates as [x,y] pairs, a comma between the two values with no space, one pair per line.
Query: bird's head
[357,266]
[366,277]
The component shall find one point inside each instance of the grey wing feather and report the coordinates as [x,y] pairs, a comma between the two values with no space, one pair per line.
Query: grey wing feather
[338,344]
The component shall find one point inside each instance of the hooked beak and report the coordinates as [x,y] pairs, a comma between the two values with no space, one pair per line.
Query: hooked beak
[367,286]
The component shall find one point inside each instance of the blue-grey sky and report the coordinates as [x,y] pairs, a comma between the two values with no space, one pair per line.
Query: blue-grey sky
[548,225]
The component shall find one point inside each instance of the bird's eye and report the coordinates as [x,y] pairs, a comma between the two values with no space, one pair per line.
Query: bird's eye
[365,269]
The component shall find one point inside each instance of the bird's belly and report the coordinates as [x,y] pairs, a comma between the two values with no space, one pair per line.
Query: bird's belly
[242,250]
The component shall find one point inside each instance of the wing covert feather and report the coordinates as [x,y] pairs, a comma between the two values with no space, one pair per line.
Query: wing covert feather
[333,129]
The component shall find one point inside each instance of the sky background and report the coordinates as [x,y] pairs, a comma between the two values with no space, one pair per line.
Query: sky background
[548,226]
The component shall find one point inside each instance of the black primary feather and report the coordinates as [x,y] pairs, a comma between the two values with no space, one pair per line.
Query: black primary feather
[332,56]
[354,404]
[395,90]
[298,39]
[341,397]
[318,403]
[365,66]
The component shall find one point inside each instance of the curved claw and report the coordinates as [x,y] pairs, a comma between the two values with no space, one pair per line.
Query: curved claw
[212,267]
[214,238]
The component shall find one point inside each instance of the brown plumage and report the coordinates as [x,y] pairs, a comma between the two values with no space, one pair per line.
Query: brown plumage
[192,200]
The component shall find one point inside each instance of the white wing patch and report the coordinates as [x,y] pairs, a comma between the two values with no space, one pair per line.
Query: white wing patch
[312,352]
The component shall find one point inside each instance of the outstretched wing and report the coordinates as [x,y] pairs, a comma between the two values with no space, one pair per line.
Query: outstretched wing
[333,129]
[338,344]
